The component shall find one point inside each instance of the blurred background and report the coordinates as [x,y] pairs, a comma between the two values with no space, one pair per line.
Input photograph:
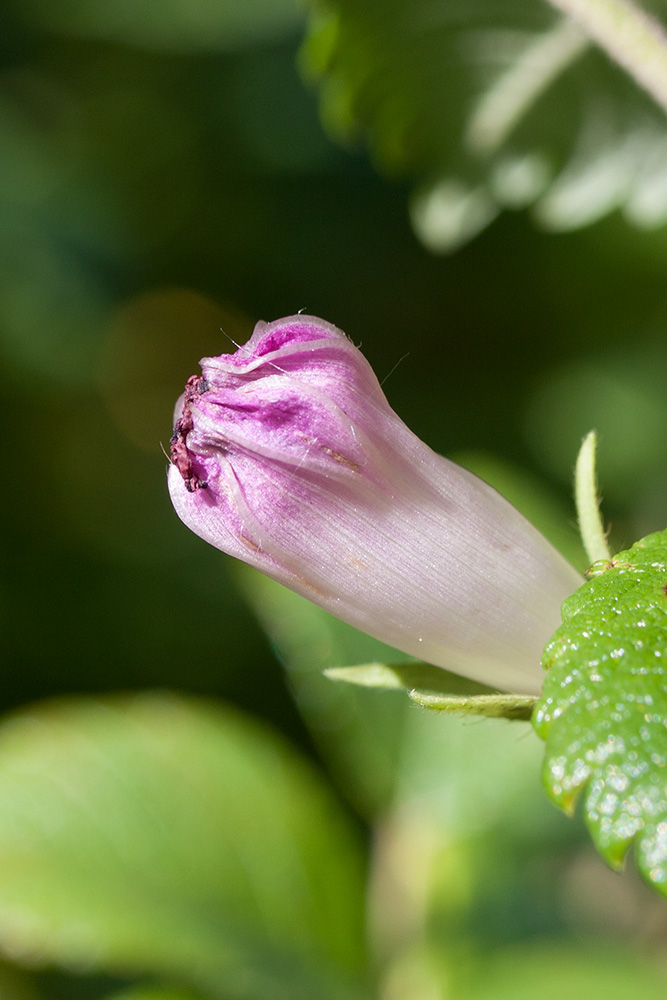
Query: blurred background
[166,180]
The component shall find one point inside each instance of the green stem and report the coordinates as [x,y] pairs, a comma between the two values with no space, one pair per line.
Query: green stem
[630,36]
[588,506]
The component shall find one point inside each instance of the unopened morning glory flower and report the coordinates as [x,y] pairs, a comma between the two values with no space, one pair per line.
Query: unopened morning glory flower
[287,455]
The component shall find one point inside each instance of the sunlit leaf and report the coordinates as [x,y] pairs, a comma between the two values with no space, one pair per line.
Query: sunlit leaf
[487,106]
[603,710]
[157,835]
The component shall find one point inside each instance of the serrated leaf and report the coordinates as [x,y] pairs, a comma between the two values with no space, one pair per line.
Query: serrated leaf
[165,836]
[487,106]
[603,710]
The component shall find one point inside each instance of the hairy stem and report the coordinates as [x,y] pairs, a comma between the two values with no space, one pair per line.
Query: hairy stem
[630,36]
[588,506]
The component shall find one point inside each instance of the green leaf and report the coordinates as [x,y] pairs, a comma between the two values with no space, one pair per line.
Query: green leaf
[358,733]
[487,106]
[434,688]
[155,993]
[15,984]
[603,710]
[441,774]
[170,837]
[553,970]
[178,25]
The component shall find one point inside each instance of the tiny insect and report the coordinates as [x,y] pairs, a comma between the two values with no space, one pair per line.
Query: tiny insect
[181,456]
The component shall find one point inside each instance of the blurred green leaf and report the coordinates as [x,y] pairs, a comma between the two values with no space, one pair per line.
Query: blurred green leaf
[51,313]
[551,972]
[155,993]
[358,731]
[384,753]
[620,392]
[603,708]
[17,985]
[180,24]
[488,106]
[157,835]
[451,798]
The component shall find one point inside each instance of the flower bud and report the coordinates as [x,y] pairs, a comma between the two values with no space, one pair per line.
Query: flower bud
[287,455]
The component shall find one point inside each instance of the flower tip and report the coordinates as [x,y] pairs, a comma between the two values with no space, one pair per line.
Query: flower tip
[299,329]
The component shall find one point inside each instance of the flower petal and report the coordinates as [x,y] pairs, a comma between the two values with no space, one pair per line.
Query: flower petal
[288,456]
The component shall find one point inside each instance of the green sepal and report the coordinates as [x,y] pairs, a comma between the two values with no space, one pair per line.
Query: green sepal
[437,689]
[514,707]
[603,709]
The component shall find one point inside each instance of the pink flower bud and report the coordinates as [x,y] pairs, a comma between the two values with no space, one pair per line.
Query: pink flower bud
[287,455]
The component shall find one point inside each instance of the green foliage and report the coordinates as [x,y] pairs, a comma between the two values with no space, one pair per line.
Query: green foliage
[179,24]
[384,753]
[488,106]
[156,835]
[620,392]
[603,710]
[465,843]
[359,733]
[552,972]
[155,993]
[16,985]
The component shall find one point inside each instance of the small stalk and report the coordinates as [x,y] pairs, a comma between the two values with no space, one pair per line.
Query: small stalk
[588,503]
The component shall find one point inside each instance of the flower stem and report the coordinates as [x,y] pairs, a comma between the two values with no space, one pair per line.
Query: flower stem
[586,498]
[630,36]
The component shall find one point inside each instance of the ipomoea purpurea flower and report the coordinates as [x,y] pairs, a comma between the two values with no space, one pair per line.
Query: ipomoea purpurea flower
[287,455]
